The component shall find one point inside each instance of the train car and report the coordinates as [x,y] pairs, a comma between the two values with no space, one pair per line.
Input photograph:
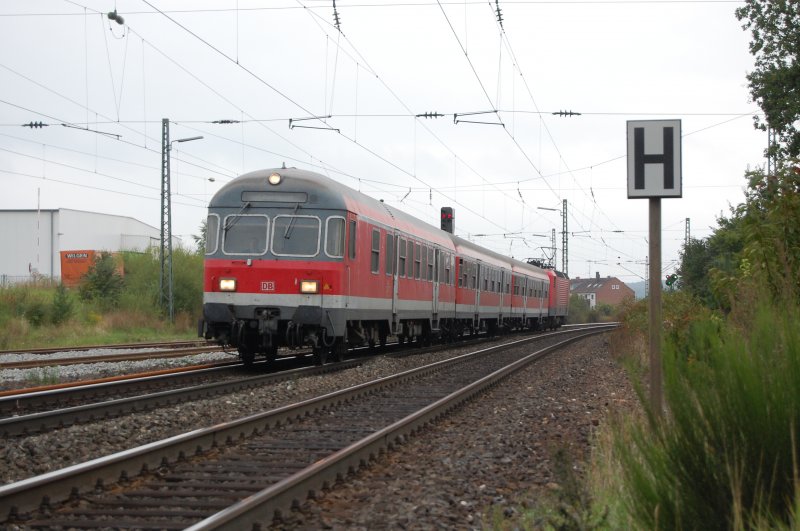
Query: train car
[558,304]
[295,259]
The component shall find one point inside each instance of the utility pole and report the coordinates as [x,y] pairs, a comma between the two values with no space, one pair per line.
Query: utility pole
[553,247]
[165,278]
[564,239]
[688,233]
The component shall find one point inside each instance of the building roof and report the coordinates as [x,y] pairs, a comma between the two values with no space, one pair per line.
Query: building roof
[591,285]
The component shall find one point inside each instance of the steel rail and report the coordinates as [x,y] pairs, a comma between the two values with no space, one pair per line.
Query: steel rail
[110,358]
[265,504]
[27,495]
[152,344]
[36,422]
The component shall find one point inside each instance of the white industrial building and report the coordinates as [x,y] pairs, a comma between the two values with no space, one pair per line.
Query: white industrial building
[32,240]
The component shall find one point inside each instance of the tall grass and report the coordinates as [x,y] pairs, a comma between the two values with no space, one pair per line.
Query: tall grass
[725,456]
[36,314]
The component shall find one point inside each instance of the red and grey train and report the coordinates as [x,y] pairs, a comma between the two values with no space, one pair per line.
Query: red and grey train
[296,259]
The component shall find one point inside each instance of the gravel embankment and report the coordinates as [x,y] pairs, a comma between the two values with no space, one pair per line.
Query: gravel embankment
[29,456]
[19,378]
[493,455]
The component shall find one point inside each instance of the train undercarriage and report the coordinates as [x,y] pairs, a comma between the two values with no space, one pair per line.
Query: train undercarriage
[268,337]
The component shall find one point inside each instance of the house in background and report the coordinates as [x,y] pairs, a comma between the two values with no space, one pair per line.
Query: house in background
[34,241]
[608,290]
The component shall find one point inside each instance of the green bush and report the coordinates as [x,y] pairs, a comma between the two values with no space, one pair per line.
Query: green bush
[62,307]
[140,293]
[579,311]
[725,455]
[102,283]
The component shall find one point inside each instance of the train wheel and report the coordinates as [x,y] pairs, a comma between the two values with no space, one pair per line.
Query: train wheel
[339,350]
[320,355]
[248,356]
[382,338]
[272,355]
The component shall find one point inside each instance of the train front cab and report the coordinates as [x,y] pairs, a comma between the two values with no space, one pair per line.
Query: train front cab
[275,268]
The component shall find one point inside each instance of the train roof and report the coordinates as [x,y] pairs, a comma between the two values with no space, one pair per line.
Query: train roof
[307,189]
[313,190]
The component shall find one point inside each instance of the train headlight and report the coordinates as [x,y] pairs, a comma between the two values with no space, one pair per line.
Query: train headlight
[227,284]
[309,286]
[274,178]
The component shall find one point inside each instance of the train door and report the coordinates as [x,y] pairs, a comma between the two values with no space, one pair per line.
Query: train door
[395,242]
[436,278]
[478,281]
[351,271]
[503,278]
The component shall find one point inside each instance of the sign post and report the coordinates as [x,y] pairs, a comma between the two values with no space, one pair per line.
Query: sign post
[654,171]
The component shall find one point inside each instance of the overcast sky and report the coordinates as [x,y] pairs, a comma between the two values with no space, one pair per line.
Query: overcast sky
[103,89]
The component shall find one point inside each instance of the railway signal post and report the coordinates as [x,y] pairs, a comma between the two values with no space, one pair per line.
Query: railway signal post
[654,171]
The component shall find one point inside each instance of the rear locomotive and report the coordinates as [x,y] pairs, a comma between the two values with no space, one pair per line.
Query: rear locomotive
[274,265]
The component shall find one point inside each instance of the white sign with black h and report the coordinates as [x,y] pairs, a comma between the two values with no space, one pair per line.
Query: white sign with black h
[654,158]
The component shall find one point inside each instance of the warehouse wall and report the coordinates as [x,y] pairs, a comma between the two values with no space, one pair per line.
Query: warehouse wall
[31,241]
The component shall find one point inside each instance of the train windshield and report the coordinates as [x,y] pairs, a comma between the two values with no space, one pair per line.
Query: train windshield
[295,236]
[245,234]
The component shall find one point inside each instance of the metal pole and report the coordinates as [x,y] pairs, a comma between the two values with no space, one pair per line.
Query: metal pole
[656,392]
[165,278]
[564,240]
[688,233]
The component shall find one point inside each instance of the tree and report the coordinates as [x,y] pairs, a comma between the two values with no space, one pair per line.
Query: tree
[775,28]
[770,230]
[200,239]
[102,282]
[704,261]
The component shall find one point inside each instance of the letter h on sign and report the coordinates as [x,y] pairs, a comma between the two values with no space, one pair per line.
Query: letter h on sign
[654,158]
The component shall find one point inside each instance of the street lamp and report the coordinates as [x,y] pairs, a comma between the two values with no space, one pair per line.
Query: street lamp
[165,279]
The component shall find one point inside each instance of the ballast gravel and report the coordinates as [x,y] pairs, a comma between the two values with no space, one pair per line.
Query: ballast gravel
[479,467]
[481,463]
[17,378]
[25,457]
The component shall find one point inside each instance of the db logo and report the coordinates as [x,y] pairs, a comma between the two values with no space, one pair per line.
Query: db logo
[268,285]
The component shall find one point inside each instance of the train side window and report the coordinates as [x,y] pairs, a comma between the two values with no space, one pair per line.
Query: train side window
[410,259]
[389,254]
[352,241]
[462,277]
[472,276]
[401,267]
[417,259]
[375,257]
[334,237]
[212,233]
[448,265]
[430,264]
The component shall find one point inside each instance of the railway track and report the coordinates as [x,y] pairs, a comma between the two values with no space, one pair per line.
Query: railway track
[24,413]
[116,346]
[237,473]
[109,358]
[218,381]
